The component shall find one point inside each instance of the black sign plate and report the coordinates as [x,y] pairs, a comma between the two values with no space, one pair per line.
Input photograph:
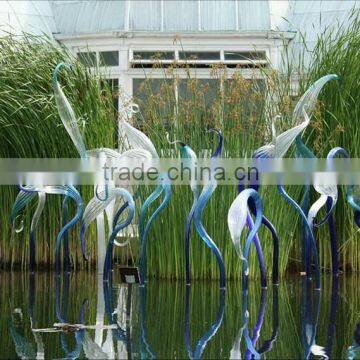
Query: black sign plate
[129,275]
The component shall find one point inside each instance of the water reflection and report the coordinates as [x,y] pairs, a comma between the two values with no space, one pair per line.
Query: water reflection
[252,351]
[144,345]
[79,316]
[206,337]
[62,309]
[354,349]
[25,348]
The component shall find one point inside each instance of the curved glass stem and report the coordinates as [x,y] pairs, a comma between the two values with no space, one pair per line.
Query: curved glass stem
[143,257]
[333,242]
[187,238]
[33,227]
[117,228]
[259,252]
[267,223]
[106,196]
[275,237]
[122,209]
[23,198]
[201,203]
[145,206]
[73,193]
[298,209]
[254,226]
[64,217]
[305,243]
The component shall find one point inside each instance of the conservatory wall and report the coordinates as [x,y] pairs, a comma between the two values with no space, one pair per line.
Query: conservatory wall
[127,41]
[33,17]
[129,58]
[130,40]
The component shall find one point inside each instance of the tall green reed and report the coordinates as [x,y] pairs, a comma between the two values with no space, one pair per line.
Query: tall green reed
[31,127]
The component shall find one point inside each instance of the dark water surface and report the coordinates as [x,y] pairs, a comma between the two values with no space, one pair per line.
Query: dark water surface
[166,320]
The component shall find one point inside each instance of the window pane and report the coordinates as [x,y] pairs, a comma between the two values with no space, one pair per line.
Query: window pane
[87,58]
[154,55]
[199,55]
[204,90]
[245,55]
[109,58]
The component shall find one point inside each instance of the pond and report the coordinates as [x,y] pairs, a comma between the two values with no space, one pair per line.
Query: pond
[167,320]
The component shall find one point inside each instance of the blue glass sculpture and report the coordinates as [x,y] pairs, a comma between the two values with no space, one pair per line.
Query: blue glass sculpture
[279,147]
[330,200]
[92,211]
[274,235]
[203,199]
[23,198]
[237,218]
[106,155]
[138,140]
[189,160]
[69,192]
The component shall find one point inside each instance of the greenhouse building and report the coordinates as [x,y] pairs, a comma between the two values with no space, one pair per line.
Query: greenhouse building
[130,40]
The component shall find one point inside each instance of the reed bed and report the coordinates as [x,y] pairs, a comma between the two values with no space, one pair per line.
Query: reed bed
[31,127]
[240,107]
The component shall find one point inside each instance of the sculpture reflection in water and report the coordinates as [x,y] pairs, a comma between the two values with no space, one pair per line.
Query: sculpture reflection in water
[120,335]
[84,344]
[144,345]
[310,310]
[62,309]
[251,348]
[202,342]
[26,349]
[354,349]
